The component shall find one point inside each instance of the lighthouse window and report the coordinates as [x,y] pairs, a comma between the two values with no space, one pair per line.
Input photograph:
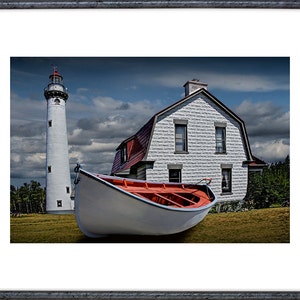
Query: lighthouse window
[49,169]
[57,101]
[56,79]
[59,203]
[50,123]
[68,189]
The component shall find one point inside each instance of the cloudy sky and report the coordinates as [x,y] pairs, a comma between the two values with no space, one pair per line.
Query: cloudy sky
[111,98]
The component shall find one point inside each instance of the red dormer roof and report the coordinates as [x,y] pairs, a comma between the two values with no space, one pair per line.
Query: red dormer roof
[136,148]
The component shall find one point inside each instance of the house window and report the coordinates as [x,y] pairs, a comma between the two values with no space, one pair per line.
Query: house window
[68,189]
[124,154]
[181,142]
[174,175]
[220,139]
[59,203]
[49,169]
[50,123]
[174,172]
[226,180]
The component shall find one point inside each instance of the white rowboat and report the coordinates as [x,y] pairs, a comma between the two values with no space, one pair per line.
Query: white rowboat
[107,205]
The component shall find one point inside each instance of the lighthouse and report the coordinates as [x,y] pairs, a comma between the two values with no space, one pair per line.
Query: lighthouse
[58,181]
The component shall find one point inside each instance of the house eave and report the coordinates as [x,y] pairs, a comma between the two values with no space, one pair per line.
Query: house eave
[122,173]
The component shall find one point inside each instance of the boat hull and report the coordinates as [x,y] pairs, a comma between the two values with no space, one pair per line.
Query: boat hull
[102,209]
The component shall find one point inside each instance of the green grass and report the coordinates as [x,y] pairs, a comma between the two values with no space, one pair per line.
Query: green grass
[256,226]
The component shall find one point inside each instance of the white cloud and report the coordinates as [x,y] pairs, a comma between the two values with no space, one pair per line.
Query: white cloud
[36,158]
[15,158]
[99,147]
[272,151]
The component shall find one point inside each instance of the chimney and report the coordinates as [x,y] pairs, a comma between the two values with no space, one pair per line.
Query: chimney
[193,85]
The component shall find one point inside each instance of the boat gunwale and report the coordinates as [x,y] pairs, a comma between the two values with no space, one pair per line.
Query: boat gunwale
[144,200]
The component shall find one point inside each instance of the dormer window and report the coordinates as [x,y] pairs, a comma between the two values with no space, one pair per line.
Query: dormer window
[124,157]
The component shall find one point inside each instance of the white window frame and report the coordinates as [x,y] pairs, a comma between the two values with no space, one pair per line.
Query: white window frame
[220,135]
[181,138]
[226,178]
[177,168]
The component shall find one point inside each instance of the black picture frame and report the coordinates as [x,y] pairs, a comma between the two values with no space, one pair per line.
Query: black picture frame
[43,4]
[145,295]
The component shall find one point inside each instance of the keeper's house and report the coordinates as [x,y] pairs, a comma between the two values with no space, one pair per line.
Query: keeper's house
[194,138]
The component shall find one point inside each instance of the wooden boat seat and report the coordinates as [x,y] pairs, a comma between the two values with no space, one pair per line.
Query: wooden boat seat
[178,195]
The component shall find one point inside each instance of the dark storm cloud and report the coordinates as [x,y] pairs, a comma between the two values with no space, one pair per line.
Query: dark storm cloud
[27,129]
[27,108]
[264,119]
[123,106]
[103,124]
[88,124]
[112,127]
[91,132]
[268,128]
[27,162]
[110,120]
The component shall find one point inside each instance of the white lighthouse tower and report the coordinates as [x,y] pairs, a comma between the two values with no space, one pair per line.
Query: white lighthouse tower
[58,181]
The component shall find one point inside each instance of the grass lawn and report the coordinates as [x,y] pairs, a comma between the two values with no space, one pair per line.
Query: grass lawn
[270,225]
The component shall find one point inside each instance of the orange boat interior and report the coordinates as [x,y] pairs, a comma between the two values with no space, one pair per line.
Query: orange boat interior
[169,194]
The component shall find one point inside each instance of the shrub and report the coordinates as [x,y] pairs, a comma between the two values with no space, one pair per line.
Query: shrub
[270,187]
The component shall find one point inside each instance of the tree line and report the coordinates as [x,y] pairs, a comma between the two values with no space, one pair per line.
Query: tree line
[27,199]
[270,187]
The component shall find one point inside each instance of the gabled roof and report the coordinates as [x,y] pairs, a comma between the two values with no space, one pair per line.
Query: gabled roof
[138,147]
